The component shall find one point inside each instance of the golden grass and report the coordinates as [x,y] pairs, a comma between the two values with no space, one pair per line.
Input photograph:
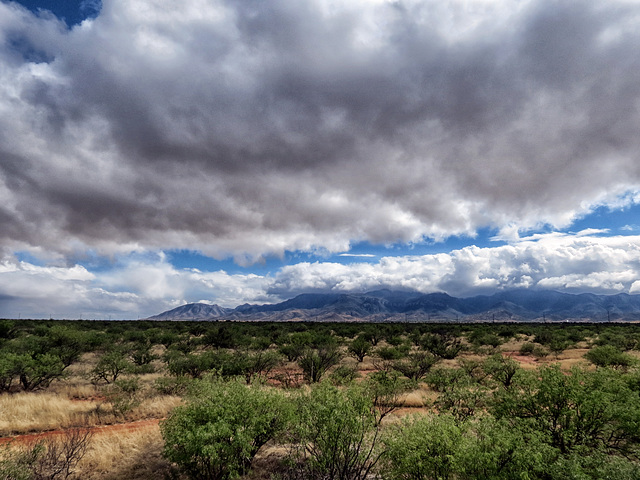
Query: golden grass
[121,455]
[155,407]
[33,412]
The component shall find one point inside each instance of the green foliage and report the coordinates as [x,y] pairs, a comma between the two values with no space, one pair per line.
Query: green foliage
[195,365]
[17,465]
[7,329]
[596,411]
[218,432]
[172,385]
[443,345]
[501,369]
[385,389]
[110,366]
[9,369]
[256,364]
[618,340]
[359,348]
[422,448]
[443,379]
[316,362]
[222,336]
[141,353]
[416,365]
[462,401]
[527,348]
[390,353]
[38,371]
[295,345]
[492,450]
[343,375]
[124,395]
[609,356]
[337,431]
[482,337]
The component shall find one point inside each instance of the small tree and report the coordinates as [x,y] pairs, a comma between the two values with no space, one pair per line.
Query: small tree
[316,362]
[337,433]
[422,448]
[110,366]
[609,356]
[416,365]
[501,369]
[38,371]
[218,432]
[359,348]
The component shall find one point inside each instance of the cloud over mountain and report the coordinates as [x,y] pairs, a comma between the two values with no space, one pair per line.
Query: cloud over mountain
[148,284]
[252,128]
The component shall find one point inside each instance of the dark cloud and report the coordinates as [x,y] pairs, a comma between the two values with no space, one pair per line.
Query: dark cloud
[247,128]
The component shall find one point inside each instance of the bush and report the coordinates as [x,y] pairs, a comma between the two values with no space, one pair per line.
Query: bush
[609,356]
[50,459]
[218,432]
[315,363]
[38,371]
[172,385]
[124,395]
[416,365]
[110,366]
[359,348]
[337,433]
[501,369]
[343,375]
[422,448]
[441,345]
[577,412]
[527,348]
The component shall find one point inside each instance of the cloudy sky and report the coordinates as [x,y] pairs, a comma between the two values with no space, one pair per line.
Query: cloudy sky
[156,153]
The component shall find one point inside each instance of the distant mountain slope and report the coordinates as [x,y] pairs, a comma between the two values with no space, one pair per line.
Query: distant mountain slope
[193,311]
[519,305]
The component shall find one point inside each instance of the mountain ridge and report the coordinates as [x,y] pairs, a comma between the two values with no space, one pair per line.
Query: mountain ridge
[390,305]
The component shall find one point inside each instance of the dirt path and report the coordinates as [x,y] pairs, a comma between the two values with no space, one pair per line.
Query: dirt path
[97,430]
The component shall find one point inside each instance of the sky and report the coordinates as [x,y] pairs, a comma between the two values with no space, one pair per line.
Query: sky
[155,153]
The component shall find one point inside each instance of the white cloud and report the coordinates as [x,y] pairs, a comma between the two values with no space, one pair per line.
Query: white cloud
[246,129]
[148,284]
[576,263]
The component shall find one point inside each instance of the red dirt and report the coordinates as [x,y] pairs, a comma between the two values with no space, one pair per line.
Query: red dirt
[98,429]
[520,358]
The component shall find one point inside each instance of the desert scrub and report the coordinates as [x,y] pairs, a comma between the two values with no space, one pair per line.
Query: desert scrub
[219,431]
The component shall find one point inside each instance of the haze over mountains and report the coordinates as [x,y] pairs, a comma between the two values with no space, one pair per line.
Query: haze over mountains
[388,305]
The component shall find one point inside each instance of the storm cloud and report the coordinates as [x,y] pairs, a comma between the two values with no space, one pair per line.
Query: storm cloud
[253,128]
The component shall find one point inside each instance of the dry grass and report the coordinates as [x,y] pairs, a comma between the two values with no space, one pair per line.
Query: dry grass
[35,412]
[121,455]
[155,407]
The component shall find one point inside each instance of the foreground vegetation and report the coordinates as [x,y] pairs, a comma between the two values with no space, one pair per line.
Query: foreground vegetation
[295,401]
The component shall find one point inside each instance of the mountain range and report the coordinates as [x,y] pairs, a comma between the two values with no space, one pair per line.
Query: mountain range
[388,305]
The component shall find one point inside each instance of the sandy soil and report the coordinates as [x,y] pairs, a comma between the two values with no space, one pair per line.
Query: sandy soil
[97,430]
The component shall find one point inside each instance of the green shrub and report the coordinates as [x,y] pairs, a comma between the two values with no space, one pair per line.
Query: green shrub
[110,366]
[359,348]
[574,412]
[416,365]
[316,362]
[527,348]
[343,375]
[609,356]
[218,432]
[422,448]
[501,369]
[337,433]
[172,385]
[38,371]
